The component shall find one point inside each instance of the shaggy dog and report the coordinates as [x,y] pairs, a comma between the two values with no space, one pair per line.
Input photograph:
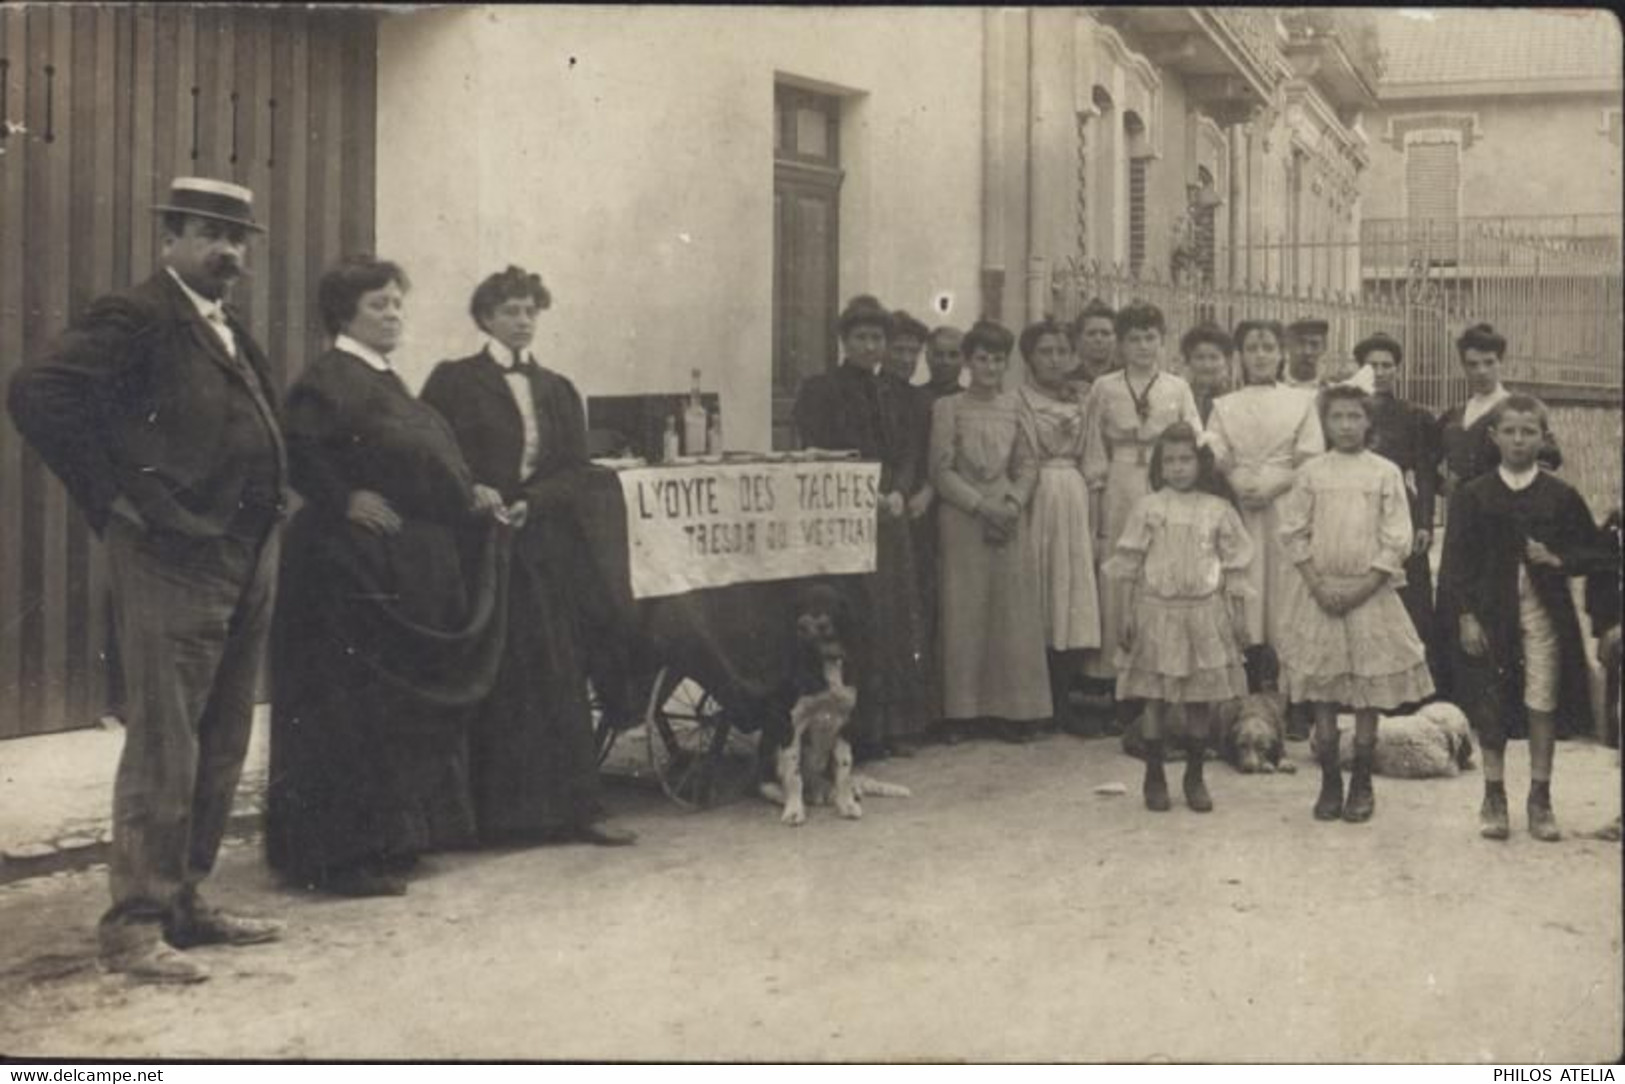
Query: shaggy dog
[1252,733]
[1249,733]
[813,761]
[1433,743]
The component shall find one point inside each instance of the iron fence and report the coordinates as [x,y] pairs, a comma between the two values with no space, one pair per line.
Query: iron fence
[1551,285]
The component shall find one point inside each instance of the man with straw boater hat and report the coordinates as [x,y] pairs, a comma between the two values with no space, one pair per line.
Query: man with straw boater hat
[157,411]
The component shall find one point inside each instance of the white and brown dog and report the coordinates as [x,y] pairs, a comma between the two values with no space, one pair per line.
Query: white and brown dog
[813,761]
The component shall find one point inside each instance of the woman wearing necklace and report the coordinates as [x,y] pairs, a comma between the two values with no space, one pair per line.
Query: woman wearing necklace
[1051,413]
[1260,434]
[982,467]
[1127,411]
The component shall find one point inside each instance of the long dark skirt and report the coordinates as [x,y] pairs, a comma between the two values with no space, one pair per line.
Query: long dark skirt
[532,760]
[381,647]
[1417,595]
[924,532]
[891,674]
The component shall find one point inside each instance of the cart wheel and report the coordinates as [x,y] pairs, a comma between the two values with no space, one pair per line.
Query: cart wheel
[695,752]
[603,734]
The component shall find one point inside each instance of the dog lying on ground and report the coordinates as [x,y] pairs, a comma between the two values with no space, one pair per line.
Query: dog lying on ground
[1252,733]
[1249,733]
[813,761]
[1434,743]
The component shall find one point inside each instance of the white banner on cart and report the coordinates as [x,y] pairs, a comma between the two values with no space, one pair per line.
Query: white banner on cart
[709,526]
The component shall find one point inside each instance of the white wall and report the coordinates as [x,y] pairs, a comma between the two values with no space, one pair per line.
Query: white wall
[1532,156]
[626,154]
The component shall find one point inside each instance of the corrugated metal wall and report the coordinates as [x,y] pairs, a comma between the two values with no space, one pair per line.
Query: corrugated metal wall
[113,102]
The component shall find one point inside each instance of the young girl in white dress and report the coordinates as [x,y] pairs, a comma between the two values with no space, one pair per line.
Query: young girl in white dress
[1346,526]
[1183,556]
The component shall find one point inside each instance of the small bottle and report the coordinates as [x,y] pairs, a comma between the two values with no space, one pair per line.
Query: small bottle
[713,435]
[694,421]
[670,449]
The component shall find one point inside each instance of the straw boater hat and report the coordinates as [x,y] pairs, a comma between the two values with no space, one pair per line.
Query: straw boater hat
[209,198]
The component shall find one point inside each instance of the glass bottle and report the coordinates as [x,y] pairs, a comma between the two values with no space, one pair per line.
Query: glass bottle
[694,420]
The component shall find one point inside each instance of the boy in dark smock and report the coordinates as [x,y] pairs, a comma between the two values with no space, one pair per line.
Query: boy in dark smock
[1517,534]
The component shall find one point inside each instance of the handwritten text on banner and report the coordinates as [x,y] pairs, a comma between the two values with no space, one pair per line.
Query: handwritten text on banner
[710,526]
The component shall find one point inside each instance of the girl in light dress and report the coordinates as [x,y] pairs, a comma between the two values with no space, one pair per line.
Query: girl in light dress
[1346,526]
[1260,435]
[1127,410]
[1051,413]
[1183,556]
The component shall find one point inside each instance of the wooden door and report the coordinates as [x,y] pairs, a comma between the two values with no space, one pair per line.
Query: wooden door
[806,240]
[103,106]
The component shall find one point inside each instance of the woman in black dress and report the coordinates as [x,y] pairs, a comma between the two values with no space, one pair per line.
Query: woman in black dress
[853,408]
[533,765]
[1407,435]
[387,632]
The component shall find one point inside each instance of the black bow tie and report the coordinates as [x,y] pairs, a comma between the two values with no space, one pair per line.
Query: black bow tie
[513,364]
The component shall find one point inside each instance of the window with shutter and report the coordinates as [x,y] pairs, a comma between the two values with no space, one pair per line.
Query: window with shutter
[1136,215]
[1433,199]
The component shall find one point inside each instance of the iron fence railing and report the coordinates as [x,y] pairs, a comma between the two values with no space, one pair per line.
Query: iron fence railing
[1555,295]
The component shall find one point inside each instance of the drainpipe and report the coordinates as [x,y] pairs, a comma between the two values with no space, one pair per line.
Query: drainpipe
[992,271]
[1035,259]
[1238,199]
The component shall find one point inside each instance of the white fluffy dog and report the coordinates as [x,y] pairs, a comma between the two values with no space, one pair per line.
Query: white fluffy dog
[1435,742]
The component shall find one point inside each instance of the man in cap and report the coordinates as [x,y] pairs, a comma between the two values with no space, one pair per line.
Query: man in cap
[156,410]
[1306,343]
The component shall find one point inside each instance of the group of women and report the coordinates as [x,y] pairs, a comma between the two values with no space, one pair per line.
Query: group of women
[1001,504]
[429,668]
[428,679]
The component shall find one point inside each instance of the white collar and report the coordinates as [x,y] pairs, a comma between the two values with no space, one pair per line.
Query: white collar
[499,353]
[361,350]
[1490,398]
[1520,481]
[205,308]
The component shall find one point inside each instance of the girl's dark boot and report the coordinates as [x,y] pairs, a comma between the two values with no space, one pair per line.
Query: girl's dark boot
[1196,795]
[1156,784]
[1361,801]
[1329,806]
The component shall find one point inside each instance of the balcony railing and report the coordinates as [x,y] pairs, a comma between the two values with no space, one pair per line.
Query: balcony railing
[1354,29]
[1231,58]
[1255,32]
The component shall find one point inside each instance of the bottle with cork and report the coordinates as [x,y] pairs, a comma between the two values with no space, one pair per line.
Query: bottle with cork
[694,420]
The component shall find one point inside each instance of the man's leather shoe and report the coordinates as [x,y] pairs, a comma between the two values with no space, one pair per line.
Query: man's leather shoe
[216,927]
[155,963]
[600,834]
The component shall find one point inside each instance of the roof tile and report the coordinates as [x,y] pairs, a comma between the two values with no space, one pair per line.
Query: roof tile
[1461,45]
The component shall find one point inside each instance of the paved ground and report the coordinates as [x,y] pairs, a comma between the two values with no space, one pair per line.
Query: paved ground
[1005,912]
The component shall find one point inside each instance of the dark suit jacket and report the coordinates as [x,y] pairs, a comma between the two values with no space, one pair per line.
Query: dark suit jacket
[472,395]
[139,398]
